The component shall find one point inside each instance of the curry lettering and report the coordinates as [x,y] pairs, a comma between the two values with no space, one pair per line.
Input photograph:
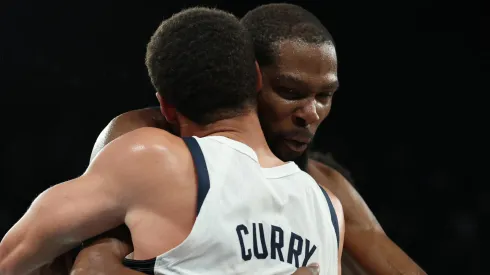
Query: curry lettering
[277,249]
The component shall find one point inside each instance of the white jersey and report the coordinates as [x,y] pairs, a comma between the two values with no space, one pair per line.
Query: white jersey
[251,220]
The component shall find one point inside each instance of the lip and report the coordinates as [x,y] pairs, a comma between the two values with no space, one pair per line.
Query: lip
[300,139]
[295,145]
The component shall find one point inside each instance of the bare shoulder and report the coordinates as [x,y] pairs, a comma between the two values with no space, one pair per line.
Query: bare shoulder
[135,119]
[148,139]
[143,147]
[127,122]
[327,176]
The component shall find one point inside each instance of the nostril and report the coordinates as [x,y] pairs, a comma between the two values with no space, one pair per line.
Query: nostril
[300,122]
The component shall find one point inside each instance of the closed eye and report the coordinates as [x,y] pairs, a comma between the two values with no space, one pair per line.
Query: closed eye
[325,95]
[289,93]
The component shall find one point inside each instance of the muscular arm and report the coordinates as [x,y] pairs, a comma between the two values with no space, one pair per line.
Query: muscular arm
[365,240]
[68,213]
[58,220]
[99,255]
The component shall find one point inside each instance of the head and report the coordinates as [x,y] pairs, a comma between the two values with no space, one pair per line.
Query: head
[298,61]
[202,64]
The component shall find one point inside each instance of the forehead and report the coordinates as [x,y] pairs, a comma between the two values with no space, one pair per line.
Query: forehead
[306,61]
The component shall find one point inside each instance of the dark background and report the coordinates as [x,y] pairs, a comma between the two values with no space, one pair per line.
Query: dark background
[405,121]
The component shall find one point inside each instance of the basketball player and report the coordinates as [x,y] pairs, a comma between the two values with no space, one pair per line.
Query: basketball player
[298,62]
[255,213]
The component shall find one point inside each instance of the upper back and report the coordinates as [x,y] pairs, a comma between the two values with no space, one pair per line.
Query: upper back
[269,220]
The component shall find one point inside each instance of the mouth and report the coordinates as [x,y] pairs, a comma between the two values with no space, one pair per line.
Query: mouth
[295,145]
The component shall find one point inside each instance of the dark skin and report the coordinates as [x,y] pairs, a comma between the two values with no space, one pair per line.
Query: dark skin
[296,97]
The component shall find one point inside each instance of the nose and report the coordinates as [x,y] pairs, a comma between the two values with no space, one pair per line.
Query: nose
[306,114]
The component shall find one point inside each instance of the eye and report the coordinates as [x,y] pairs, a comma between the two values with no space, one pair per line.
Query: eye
[324,96]
[288,93]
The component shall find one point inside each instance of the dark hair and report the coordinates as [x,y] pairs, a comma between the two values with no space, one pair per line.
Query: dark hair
[202,62]
[272,23]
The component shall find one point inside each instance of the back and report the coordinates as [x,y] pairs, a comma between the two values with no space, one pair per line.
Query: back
[250,219]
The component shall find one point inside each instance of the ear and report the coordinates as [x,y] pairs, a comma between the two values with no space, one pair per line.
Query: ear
[168,111]
[259,76]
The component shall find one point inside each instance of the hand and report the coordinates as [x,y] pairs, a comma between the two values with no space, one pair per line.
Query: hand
[311,269]
[60,266]
[103,256]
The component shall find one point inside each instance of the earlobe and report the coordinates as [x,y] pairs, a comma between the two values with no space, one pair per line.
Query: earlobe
[259,76]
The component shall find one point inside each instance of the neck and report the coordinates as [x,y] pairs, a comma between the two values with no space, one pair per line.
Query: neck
[245,129]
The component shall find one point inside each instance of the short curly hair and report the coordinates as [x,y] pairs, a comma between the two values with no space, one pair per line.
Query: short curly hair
[202,62]
[273,23]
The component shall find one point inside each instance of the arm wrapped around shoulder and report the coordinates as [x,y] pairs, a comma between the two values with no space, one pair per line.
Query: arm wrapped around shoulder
[328,160]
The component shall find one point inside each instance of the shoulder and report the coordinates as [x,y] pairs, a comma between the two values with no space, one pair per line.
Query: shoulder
[142,148]
[127,122]
[147,140]
[331,181]
[135,119]
[326,176]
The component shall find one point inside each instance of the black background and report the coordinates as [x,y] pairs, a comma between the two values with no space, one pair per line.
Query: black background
[405,121]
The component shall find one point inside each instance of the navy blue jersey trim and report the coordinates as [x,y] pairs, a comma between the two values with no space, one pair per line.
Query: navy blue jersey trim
[333,214]
[201,170]
[144,266]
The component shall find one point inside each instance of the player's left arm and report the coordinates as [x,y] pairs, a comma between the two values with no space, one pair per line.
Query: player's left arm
[66,214]
[365,239]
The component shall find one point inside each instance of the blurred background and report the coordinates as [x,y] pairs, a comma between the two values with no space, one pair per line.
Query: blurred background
[405,123]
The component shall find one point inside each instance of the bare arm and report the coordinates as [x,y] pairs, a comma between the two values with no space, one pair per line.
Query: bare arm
[66,214]
[365,240]
[57,221]
[98,257]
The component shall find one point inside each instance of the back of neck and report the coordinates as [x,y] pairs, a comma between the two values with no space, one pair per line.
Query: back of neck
[245,129]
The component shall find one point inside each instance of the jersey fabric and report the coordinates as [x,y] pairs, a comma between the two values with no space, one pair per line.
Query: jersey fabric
[250,220]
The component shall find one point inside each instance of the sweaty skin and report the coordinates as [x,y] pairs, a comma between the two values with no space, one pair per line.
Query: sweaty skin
[113,190]
[296,97]
[366,245]
[145,179]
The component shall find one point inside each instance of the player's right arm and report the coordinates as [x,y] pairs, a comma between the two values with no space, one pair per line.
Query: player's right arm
[103,255]
[91,204]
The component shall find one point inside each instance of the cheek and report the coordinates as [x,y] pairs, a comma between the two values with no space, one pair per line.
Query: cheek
[271,107]
[323,112]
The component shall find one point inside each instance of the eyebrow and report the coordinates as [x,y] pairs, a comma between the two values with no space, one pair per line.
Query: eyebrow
[291,78]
